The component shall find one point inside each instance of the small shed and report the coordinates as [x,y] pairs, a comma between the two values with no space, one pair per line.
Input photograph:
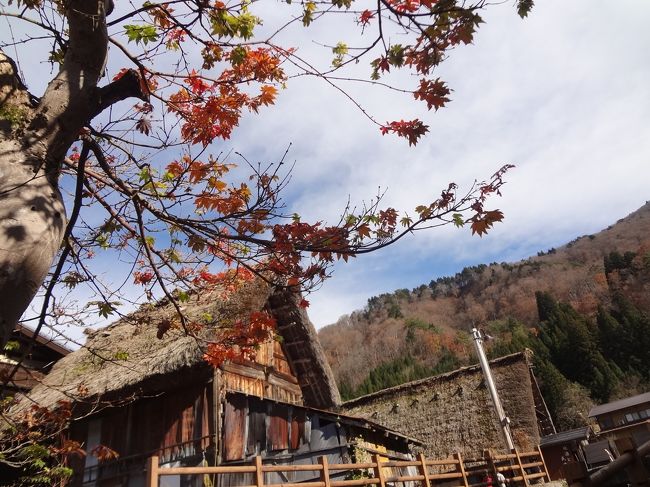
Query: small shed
[453,412]
[565,447]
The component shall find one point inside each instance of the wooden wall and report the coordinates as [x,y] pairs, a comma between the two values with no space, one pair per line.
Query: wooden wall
[253,426]
[175,425]
[269,376]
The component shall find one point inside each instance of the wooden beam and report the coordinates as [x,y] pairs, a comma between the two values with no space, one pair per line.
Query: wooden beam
[350,483]
[292,468]
[521,467]
[152,471]
[379,471]
[217,408]
[541,457]
[461,468]
[282,380]
[425,470]
[259,474]
[252,371]
[206,470]
[325,473]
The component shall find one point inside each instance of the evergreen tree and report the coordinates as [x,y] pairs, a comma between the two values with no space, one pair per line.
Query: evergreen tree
[625,337]
[574,347]
[615,341]
[546,305]
[568,402]
[401,370]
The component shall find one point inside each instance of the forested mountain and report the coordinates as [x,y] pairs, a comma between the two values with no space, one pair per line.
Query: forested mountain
[583,308]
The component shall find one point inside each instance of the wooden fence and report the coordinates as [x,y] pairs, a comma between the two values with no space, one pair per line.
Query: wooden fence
[518,467]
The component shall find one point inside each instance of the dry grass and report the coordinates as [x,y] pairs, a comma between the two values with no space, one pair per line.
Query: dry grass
[127,352]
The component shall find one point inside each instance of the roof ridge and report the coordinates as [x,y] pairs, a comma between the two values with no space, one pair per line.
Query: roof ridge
[433,378]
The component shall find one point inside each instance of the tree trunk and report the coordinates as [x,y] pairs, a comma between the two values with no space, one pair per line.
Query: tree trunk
[33,142]
[32,222]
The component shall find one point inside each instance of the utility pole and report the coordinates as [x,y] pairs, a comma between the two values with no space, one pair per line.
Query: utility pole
[487,374]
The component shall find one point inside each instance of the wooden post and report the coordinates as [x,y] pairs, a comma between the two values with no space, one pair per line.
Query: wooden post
[379,471]
[152,471]
[521,467]
[461,468]
[325,473]
[489,458]
[425,471]
[216,414]
[541,458]
[259,473]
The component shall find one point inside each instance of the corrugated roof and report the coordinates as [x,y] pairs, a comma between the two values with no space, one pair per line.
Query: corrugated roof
[636,424]
[628,402]
[566,436]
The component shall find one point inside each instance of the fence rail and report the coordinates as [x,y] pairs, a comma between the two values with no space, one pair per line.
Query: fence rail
[426,472]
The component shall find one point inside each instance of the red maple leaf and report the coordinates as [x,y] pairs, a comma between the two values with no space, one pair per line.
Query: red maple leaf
[411,130]
[365,17]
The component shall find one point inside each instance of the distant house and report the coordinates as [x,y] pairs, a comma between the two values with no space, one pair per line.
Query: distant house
[140,395]
[566,447]
[453,412]
[627,418]
[43,355]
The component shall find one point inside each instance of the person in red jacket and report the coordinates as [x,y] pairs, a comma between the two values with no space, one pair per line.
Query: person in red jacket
[487,480]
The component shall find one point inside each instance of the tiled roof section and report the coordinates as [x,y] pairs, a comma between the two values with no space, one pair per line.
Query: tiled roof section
[628,402]
[566,436]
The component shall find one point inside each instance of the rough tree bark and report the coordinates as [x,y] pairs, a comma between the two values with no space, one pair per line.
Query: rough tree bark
[35,136]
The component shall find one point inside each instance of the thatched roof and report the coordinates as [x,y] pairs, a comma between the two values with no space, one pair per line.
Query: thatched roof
[127,359]
[430,382]
[452,412]
[303,350]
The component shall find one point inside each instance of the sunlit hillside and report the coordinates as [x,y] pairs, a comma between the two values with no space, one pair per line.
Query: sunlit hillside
[413,333]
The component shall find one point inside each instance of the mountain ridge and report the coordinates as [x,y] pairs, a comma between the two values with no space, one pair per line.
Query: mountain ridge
[423,330]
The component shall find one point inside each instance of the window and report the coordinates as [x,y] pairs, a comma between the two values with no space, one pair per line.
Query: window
[631,417]
[605,422]
[94,439]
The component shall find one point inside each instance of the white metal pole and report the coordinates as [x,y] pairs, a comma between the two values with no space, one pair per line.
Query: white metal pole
[487,373]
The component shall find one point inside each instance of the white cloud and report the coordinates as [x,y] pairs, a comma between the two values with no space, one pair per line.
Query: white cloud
[563,95]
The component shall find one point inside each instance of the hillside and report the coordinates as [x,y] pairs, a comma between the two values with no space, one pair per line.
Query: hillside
[411,333]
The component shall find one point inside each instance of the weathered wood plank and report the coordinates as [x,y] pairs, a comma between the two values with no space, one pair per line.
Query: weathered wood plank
[323,469]
[234,428]
[425,470]
[152,471]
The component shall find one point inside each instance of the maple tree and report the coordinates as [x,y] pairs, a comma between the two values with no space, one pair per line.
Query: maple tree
[36,438]
[115,160]
[129,150]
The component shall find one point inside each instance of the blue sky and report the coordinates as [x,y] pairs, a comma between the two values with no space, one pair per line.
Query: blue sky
[564,95]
